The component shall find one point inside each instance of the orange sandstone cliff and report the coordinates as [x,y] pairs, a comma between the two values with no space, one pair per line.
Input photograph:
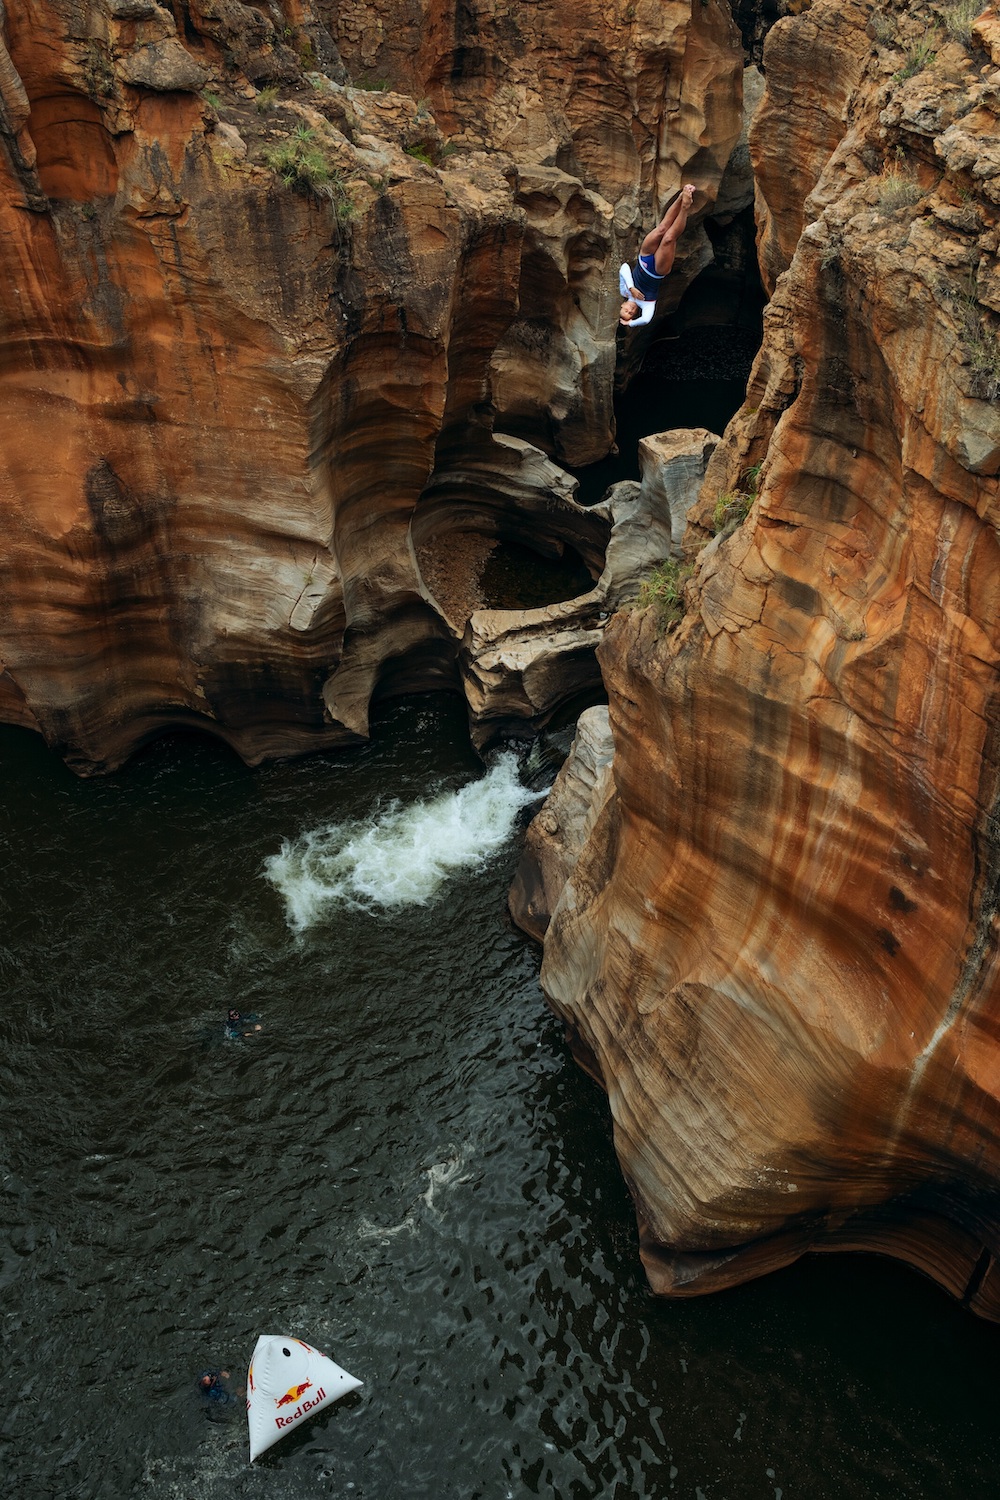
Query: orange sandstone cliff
[771,882]
[274,280]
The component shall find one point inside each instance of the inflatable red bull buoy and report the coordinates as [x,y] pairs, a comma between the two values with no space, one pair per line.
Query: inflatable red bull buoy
[288,1382]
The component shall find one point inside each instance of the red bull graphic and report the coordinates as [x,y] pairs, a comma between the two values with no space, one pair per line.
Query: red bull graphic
[294,1393]
[300,1411]
[288,1382]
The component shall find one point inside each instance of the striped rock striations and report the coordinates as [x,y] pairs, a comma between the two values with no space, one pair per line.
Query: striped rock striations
[778,944]
[262,325]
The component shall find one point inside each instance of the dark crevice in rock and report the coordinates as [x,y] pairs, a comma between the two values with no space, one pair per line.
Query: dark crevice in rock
[755,19]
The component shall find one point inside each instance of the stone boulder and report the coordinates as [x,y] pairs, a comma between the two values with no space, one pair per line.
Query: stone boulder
[164,66]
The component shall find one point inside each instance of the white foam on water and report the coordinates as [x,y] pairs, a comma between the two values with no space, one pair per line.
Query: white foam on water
[445,1174]
[367,1230]
[440,1175]
[404,856]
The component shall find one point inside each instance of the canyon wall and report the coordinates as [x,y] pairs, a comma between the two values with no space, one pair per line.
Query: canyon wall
[264,312]
[777,943]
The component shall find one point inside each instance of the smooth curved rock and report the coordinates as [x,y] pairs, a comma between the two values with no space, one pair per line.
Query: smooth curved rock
[778,947]
[233,395]
[556,837]
[519,667]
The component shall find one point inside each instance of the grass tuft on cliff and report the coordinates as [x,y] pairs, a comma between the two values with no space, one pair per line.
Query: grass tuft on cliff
[883,27]
[732,508]
[959,18]
[302,163]
[896,190]
[918,58]
[664,591]
[982,342]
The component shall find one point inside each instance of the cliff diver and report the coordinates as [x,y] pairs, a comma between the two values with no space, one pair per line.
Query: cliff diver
[641,286]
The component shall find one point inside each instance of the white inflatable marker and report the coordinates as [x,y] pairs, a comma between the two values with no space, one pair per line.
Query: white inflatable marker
[288,1382]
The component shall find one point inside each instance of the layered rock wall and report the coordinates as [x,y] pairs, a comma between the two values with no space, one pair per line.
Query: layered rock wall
[520,666]
[778,947]
[256,320]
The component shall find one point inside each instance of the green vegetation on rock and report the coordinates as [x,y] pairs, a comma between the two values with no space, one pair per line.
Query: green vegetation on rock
[959,18]
[302,163]
[663,590]
[896,190]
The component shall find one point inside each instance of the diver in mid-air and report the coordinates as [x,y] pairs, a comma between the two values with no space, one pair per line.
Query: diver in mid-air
[640,286]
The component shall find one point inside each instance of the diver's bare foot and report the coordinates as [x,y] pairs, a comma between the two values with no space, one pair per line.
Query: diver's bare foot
[687,193]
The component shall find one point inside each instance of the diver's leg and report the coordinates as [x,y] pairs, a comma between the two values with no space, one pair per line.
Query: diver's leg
[653,238]
[673,225]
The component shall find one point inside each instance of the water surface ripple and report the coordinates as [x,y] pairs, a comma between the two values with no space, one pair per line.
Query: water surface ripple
[404,1168]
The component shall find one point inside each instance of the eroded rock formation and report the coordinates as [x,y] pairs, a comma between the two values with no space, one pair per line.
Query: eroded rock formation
[778,945]
[520,666]
[259,321]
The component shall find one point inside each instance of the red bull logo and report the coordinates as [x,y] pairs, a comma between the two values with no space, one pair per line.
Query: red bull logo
[300,1411]
[293,1393]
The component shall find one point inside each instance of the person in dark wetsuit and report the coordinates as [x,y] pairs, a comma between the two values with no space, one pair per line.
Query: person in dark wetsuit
[212,1386]
[238,1025]
[641,288]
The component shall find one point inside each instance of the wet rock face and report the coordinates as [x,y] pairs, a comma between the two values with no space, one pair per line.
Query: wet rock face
[556,838]
[778,944]
[258,322]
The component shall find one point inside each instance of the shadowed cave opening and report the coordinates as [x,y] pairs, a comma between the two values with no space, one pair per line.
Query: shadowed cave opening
[697,378]
[516,576]
[486,551]
[470,570]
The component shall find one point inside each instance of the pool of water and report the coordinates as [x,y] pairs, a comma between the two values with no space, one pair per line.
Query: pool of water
[404,1168]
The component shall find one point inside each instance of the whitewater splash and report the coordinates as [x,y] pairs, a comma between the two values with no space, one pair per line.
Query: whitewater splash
[440,1176]
[404,856]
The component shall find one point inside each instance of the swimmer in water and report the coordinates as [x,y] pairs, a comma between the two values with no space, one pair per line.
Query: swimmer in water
[212,1386]
[238,1025]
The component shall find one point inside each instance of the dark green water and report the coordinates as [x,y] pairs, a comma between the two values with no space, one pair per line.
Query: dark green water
[405,1169]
